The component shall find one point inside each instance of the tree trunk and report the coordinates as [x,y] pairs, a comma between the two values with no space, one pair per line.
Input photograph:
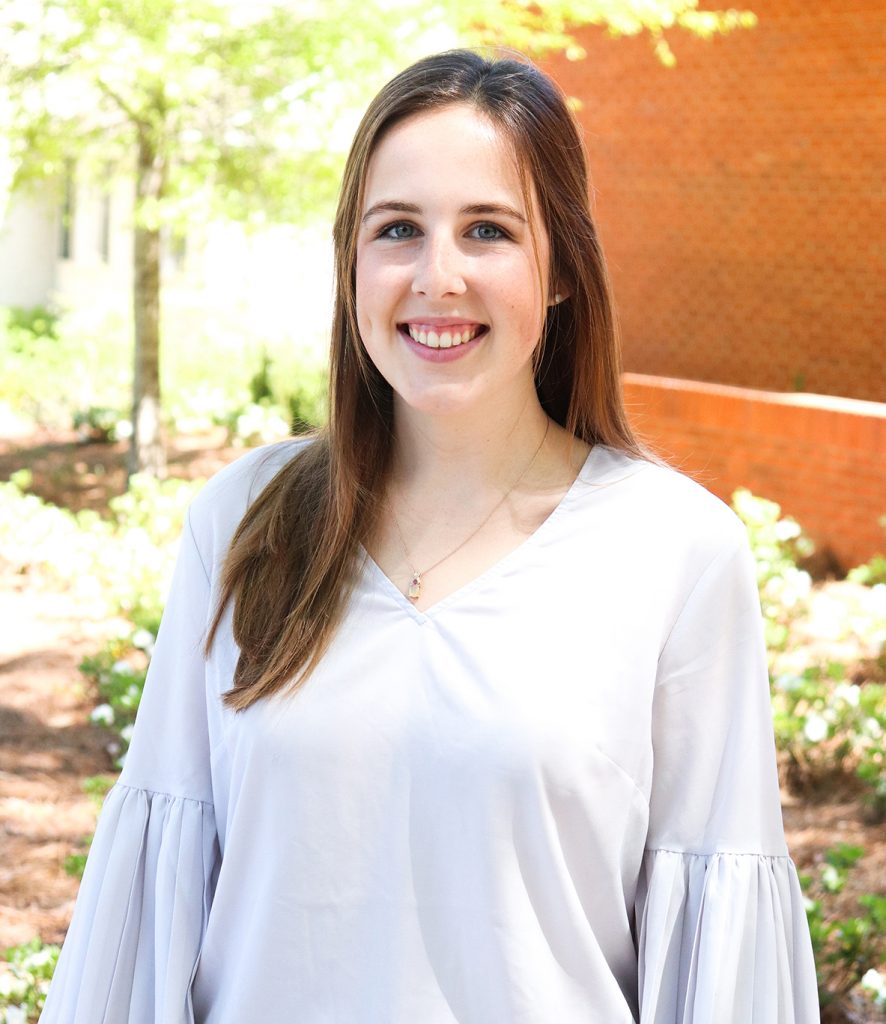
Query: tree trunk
[147,453]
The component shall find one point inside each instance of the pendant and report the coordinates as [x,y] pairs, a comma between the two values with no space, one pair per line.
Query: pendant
[414,591]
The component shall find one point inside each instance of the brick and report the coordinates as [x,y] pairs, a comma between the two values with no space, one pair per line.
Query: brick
[738,197]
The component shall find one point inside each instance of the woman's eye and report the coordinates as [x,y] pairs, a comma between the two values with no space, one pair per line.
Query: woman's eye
[398,231]
[488,232]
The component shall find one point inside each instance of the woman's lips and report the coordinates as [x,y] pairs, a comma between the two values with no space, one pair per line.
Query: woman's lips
[439,345]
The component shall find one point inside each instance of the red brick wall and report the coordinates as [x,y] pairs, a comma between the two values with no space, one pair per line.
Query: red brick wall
[741,196]
[820,458]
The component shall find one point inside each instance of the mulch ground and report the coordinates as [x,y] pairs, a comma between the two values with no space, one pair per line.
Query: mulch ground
[48,747]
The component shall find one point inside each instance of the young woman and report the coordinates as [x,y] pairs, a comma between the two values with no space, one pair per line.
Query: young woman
[459,711]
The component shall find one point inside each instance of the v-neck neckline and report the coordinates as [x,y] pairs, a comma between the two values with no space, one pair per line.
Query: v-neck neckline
[497,567]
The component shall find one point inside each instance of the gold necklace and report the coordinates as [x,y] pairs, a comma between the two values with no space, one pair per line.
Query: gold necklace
[414,591]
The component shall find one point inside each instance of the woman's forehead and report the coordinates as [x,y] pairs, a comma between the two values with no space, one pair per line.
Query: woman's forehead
[453,153]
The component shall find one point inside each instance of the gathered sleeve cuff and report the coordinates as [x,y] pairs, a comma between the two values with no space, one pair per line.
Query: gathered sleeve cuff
[723,938]
[720,923]
[141,914]
[143,905]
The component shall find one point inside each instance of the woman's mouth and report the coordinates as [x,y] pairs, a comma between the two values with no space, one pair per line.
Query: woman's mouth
[443,336]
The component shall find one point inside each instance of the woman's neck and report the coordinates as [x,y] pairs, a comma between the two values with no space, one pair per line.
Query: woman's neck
[464,456]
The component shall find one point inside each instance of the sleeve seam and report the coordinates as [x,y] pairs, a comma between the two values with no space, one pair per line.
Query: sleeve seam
[197,547]
[719,853]
[168,796]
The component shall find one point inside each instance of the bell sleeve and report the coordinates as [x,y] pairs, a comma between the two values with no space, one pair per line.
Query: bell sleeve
[721,927]
[137,928]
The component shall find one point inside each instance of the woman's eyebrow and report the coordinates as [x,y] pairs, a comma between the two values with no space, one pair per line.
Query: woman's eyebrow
[494,210]
[390,206]
[481,209]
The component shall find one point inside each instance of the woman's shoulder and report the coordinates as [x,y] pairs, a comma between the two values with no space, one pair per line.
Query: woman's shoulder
[221,503]
[660,501]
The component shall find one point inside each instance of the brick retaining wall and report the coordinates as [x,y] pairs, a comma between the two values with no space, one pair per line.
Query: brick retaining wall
[822,459]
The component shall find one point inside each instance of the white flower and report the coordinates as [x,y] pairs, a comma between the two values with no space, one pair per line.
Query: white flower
[143,639]
[126,733]
[871,727]
[787,682]
[122,668]
[16,1015]
[875,983]
[103,714]
[11,987]
[38,959]
[786,529]
[815,729]
[830,878]
[848,692]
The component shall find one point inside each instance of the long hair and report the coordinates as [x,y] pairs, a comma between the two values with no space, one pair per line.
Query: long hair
[293,559]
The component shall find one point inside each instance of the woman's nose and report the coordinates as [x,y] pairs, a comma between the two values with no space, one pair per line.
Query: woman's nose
[439,269]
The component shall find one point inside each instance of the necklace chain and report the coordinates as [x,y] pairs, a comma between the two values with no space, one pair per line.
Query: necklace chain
[414,591]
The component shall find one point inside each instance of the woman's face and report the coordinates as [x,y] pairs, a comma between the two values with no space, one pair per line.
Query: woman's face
[450,290]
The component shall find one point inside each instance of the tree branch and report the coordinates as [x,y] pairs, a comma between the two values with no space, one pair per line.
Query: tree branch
[122,104]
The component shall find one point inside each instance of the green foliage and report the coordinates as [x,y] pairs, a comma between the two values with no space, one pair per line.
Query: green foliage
[306,397]
[260,384]
[97,787]
[125,562]
[279,404]
[31,323]
[23,990]
[245,104]
[54,366]
[99,423]
[119,672]
[777,543]
[539,29]
[239,102]
[279,407]
[873,984]
[872,572]
[846,949]
[827,725]
[257,423]
[83,368]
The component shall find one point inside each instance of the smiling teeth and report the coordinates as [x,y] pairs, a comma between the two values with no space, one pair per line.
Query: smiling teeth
[445,339]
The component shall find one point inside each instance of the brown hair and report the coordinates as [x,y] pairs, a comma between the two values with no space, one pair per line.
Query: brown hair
[292,560]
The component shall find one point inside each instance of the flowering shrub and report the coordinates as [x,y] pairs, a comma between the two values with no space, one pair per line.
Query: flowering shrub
[777,543]
[871,572]
[257,423]
[24,986]
[874,984]
[826,724]
[847,950]
[125,561]
[99,423]
[84,364]
[119,672]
